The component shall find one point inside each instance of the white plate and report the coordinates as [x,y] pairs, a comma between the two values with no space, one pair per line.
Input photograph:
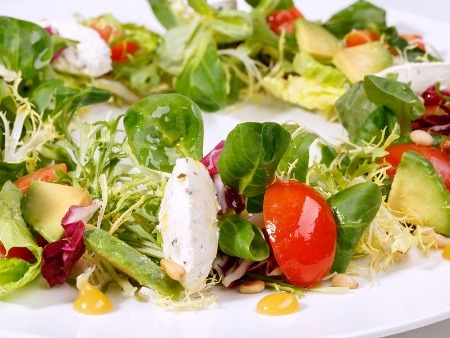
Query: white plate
[414,293]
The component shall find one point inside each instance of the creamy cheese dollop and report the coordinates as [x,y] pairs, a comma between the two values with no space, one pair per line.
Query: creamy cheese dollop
[188,222]
[90,57]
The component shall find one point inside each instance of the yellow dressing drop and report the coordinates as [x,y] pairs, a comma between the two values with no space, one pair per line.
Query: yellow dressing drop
[278,304]
[91,300]
[446,252]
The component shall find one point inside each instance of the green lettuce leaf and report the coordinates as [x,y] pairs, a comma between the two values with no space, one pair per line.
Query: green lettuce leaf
[316,87]
[360,15]
[240,238]
[29,46]
[251,155]
[163,127]
[14,232]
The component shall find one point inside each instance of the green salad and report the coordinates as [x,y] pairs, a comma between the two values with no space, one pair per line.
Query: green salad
[133,200]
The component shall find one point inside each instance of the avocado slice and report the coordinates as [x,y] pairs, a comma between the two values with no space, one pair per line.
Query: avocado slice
[45,204]
[359,61]
[420,193]
[316,40]
[130,261]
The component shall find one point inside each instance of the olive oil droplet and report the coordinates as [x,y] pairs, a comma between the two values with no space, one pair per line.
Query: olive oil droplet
[446,252]
[278,304]
[91,300]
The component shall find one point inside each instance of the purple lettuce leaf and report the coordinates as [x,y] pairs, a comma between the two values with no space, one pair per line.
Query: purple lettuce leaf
[60,257]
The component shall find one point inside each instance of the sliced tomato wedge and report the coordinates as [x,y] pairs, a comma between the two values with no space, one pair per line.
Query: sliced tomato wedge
[359,37]
[302,231]
[45,174]
[284,19]
[17,252]
[107,32]
[439,158]
[121,50]
[414,39]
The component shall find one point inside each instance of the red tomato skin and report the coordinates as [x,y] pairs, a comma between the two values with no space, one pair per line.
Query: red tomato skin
[439,158]
[359,37]
[17,252]
[47,174]
[415,39]
[284,19]
[302,231]
[107,32]
[121,50]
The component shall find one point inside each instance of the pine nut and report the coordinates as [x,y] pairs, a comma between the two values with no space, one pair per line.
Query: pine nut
[255,286]
[276,272]
[441,241]
[172,269]
[421,137]
[445,146]
[342,280]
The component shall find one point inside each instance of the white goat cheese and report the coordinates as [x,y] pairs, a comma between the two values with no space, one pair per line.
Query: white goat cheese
[188,222]
[90,57]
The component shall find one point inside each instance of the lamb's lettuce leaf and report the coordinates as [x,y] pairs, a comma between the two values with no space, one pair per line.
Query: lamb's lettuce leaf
[305,148]
[203,78]
[251,155]
[162,128]
[24,46]
[353,109]
[397,96]
[378,104]
[240,238]
[381,123]
[360,15]
[163,11]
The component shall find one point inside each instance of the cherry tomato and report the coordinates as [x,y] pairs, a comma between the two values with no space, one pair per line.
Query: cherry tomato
[45,174]
[17,252]
[359,37]
[302,231]
[439,158]
[414,39]
[121,50]
[284,19]
[107,32]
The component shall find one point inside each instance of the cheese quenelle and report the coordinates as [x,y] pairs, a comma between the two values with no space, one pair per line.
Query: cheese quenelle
[188,222]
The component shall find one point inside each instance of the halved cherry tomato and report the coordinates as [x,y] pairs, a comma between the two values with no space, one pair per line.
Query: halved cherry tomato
[121,50]
[439,158]
[17,252]
[45,174]
[414,39]
[107,32]
[284,19]
[359,37]
[302,231]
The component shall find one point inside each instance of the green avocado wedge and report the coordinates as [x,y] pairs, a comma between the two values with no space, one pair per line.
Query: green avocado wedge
[131,262]
[420,193]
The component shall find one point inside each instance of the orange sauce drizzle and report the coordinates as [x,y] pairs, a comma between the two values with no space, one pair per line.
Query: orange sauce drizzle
[91,300]
[278,304]
[446,252]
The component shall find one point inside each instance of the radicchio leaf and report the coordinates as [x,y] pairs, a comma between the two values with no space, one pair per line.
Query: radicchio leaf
[228,199]
[231,269]
[210,159]
[60,257]
[437,118]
